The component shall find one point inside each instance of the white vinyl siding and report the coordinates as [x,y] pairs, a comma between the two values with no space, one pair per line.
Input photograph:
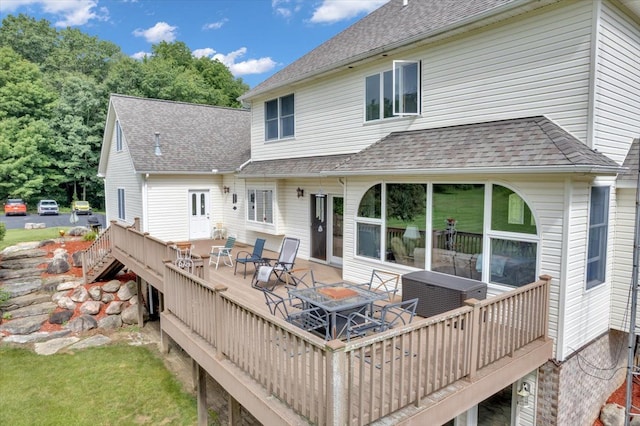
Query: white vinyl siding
[120,174]
[623,262]
[617,97]
[536,65]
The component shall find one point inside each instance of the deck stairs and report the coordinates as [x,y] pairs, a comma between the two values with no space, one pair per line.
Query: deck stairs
[98,261]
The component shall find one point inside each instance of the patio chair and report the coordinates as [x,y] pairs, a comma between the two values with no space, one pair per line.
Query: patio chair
[254,257]
[223,252]
[359,324]
[183,256]
[286,259]
[385,282]
[312,319]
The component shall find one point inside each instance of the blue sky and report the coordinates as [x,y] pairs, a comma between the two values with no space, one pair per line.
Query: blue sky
[254,38]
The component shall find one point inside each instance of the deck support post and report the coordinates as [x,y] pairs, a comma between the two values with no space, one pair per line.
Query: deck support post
[337,399]
[203,413]
[234,411]
[140,302]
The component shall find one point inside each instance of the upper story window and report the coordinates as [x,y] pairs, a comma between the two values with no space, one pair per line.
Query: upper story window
[279,118]
[393,93]
[118,137]
[260,205]
[598,229]
[121,206]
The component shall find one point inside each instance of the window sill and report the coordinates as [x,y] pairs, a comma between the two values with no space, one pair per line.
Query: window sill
[265,228]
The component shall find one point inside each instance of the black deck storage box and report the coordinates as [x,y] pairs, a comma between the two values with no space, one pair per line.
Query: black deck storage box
[438,292]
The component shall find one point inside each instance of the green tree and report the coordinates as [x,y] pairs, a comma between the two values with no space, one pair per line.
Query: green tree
[33,40]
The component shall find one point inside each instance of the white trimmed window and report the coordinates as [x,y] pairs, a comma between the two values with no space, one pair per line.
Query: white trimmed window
[260,205]
[598,230]
[118,137]
[279,118]
[393,93]
[121,206]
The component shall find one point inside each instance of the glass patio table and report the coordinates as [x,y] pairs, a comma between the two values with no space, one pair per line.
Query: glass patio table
[337,297]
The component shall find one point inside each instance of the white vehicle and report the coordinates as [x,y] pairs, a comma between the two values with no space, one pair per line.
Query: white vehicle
[47,207]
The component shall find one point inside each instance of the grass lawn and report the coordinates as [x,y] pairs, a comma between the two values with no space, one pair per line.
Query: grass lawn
[15,236]
[110,385]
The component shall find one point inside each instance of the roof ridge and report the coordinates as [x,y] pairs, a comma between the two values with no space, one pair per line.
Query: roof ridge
[117,95]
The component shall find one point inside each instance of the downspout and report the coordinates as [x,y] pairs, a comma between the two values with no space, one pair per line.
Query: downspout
[564,266]
[145,201]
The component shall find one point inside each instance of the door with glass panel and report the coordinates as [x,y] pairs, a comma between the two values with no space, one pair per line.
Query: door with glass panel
[199,224]
[336,229]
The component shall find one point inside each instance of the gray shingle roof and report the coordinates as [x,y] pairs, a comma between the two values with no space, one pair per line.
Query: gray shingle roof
[193,138]
[516,145]
[523,145]
[630,176]
[391,26]
[292,167]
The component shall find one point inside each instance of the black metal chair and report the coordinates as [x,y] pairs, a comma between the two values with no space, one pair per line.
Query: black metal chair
[311,319]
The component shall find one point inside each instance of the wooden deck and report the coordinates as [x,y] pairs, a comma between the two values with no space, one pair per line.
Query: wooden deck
[424,373]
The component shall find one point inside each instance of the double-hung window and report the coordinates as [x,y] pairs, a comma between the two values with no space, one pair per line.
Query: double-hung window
[260,205]
[393,93]
[598,229]
[121,206]
[279,117]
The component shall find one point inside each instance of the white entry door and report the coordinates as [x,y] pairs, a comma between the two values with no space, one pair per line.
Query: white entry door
[199,225]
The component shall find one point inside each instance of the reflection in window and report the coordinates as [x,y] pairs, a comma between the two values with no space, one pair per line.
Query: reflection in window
[598,225]
[368,240]
[260,205]
[406,212]
[457,221]
[512,262]
[370,204]
[510,213]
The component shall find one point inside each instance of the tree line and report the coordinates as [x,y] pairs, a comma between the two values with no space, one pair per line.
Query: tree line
[54,93]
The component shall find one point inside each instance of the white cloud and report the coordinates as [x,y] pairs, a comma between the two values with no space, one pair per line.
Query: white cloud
[207,51]
[159,32]
[67,12]
[286,8]
[331,11]
[140,55]
[215,25]
[251,66]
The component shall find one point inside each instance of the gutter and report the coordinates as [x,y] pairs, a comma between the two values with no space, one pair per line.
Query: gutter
[606,170]
[405,42]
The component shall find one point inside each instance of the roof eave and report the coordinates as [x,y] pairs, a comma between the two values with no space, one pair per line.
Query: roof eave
[586,169]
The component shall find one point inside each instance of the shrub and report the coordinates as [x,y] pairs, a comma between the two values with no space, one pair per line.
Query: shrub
[90,236]
[3,230]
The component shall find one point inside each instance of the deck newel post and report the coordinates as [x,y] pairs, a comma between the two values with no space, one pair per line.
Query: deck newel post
[84,267]
[219,325]
[475,328]
[337,403]
[205,267]
[547,291]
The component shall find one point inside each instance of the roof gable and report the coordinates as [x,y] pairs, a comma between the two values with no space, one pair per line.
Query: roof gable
[193,138]
[391,26]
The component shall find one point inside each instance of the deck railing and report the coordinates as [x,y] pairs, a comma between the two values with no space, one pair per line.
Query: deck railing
[357,382]
[364,380]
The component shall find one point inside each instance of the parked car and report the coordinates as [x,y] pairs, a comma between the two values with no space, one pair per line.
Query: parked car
[81,207]
[48,207]
[15,206]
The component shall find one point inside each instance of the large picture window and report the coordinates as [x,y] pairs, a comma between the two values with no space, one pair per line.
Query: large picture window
[279,117]
[260,205]
[397,222]
[598,229]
